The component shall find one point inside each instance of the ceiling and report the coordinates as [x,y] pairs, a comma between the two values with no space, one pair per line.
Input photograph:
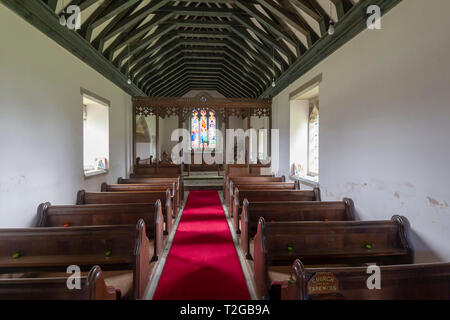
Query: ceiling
[237,48]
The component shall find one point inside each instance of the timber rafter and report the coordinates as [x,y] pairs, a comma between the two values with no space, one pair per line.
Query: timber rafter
[168,47]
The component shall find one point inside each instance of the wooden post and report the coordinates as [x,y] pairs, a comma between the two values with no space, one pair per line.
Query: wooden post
[134,136]
[225,137]
[157,139]
[269,151]
[249,115]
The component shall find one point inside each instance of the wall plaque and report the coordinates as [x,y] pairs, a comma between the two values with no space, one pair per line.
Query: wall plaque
[323,283]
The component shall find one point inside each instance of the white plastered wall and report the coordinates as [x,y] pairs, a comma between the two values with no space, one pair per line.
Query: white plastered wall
[384,123]
[41,122]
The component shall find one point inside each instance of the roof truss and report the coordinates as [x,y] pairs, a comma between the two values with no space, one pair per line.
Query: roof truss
[168,47]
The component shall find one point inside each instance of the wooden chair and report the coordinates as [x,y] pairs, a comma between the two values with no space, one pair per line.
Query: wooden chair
[92,287]
[146,187]
[267,195]
[342,243]
[398,282]
[108,214]
[149,197]
[122,251]
[290,211]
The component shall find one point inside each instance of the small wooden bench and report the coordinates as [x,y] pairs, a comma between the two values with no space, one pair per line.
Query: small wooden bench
[146,187]
[318,244]
[267,195]
[92,287]
[398,282]
[285,211]
[107,214]
[251,185]
[122,251]
[149,197]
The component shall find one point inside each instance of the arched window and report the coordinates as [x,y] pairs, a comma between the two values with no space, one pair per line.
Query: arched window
[203,129]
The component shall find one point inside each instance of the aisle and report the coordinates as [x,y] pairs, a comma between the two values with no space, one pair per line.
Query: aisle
[203,263]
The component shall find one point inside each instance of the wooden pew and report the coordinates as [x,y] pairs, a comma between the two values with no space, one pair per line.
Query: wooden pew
[245,169]
[122,251]
[342,243]
[149,197]
[107,214]
[179,183]
[161,169]
[252,185]
[285,211]
[92,287]
[227,179]
[267,195]
[146,187]
[142,178]
[398,282]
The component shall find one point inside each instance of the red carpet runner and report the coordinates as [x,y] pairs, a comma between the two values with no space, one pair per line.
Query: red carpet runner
[203,263]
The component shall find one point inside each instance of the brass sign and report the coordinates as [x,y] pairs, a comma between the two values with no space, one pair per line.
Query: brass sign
[323,283]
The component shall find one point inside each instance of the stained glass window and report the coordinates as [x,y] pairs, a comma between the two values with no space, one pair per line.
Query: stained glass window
[212,130]
[203,129]
[194,131]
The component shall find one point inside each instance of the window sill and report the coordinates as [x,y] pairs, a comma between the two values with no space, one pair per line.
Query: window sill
[91,174]
[307,180]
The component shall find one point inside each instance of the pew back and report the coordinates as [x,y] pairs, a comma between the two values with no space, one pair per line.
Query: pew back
[179,182]
[255,179]
[106,214]
[286,211]
[121,247]
[252,185]
[148,197]
[152,169]
[268,195]
[398,282]
[146,187]
[246,169]
[92,287]
[348,243]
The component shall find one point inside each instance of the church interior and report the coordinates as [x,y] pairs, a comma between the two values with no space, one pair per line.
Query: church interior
[224,150]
